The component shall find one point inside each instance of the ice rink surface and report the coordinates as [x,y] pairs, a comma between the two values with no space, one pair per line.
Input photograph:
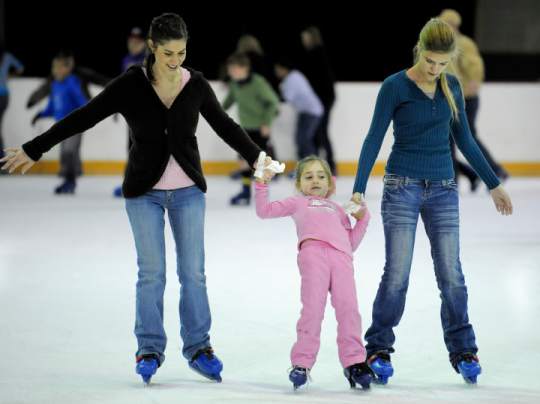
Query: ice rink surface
[67,288]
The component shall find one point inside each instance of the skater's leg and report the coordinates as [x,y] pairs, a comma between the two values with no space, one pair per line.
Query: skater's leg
[343,289]
[244,197]
[4,100]
[400,209]
[186,209]
[322,139]
[306,128]
[462,168]
[70,158]
[146,216]
[440,214]
[472,105]
[468,172]
[315,275]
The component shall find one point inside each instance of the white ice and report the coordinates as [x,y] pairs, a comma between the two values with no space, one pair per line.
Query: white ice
[67,282]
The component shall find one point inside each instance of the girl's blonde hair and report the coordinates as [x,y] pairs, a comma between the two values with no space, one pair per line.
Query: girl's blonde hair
[437,36]
[306,161]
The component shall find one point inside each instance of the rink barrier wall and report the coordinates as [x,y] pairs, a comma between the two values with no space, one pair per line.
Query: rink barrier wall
[508,124]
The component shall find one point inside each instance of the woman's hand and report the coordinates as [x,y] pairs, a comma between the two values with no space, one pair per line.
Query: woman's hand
[15,158]
[357,198]
[267,177]
[502,200]
[267,174]
[267,162]
[360,213]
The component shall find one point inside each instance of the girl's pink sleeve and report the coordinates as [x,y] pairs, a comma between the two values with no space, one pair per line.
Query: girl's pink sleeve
[266,209]
[356,234]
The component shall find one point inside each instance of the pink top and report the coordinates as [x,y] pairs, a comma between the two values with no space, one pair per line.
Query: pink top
[315,218]
[174,177]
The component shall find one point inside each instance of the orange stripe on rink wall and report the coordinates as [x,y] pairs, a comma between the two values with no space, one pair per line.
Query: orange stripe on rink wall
[517,169]
[89,167]
[349,168]
[529,169]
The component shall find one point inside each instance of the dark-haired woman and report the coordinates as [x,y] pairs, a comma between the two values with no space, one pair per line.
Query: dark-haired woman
[161,103]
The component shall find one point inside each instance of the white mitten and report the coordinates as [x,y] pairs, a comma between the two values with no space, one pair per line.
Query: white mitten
[353,207]
[275,166]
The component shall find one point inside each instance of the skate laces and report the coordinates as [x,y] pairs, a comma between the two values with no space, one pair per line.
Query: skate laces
[379,355]
[208,352]
[142,357]
[468,357]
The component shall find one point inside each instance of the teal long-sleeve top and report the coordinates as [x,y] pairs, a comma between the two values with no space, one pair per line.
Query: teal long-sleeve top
[422,128]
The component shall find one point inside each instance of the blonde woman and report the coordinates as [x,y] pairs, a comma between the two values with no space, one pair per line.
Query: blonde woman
[426,105]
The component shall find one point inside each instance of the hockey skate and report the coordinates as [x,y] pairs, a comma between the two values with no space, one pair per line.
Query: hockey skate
[359,373]
[205,363]
[147,365]
[466,364]
[298,376]
[382,367]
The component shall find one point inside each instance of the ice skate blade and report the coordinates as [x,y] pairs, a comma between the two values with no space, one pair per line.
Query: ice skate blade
[300,387]
[213,377]
[381,380]
[365,386]
[364,383]
[146,370]
[146,381]
[470,380]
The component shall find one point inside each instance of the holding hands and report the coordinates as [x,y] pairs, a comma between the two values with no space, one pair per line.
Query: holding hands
[356,207]
[266,168]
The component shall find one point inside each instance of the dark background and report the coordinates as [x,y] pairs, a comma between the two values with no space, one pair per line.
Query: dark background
[365,42]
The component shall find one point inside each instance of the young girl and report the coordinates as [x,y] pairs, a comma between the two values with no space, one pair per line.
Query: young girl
[326,242]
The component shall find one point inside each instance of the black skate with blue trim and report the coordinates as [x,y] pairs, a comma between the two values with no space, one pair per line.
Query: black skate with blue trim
[298,376]
[359,373]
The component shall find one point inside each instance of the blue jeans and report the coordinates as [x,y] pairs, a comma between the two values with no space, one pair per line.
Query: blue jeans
[404,199]
[185,207]
[306,129]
